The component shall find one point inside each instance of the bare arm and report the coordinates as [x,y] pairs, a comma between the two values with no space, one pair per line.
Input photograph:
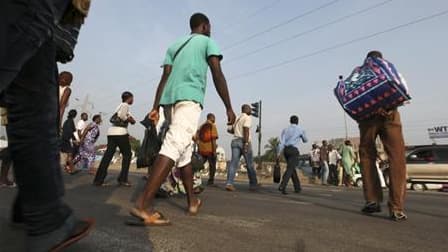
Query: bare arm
[163,80]
[64,101]
[80,133]
[214,146]
[154,114]
[221,86]
[246,132]
[84,134]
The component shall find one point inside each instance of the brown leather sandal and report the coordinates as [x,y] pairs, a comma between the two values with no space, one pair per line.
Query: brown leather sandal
[155,219]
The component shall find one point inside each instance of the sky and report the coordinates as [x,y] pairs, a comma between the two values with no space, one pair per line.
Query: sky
[287,53]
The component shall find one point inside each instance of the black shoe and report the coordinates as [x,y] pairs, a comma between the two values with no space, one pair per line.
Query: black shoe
[298,191]
[398,216]
[210,183]
[124,184]
[282,190]
[100,184]
[371,207]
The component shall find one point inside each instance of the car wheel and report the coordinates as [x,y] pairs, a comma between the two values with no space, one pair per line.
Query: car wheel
[358,182]
[418,187]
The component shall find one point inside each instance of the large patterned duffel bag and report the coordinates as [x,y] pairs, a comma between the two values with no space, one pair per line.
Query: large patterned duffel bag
[374,85]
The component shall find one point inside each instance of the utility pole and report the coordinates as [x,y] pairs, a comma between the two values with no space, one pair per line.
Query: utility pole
[345,124]
[259,139]
[341,78]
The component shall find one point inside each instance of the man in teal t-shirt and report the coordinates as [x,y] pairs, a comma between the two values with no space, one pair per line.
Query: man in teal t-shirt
[188,78]
[181,92]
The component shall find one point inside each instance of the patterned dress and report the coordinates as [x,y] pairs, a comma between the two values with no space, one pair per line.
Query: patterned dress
[87,152]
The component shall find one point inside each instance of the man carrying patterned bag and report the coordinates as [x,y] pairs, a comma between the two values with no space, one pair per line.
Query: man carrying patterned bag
[387,125]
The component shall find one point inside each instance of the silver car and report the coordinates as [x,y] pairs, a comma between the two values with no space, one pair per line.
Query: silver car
[427,165]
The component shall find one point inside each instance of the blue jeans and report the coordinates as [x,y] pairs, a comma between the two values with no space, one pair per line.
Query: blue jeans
[29,88]
[237,152]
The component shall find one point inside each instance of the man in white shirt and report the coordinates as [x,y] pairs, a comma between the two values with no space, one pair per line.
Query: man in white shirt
[81,125]
[333,160]
[315,160]
[241,146]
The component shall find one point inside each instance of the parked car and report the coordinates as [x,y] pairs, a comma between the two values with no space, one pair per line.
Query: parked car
[426,165]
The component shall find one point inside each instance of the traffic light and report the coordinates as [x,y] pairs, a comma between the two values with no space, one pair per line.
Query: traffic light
[255,109]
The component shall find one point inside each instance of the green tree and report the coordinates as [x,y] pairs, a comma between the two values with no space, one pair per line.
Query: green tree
[271,147]
[135,144]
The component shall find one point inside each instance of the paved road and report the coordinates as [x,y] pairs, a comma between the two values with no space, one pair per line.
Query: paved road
[318,219]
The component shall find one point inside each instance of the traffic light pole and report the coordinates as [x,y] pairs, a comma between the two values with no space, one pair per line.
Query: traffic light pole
[259,138]
[256,112]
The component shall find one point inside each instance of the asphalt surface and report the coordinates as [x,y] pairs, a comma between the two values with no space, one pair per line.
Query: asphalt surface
[318,219]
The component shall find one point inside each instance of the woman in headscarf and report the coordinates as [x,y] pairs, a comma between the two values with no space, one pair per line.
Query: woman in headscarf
[348,161]
[87,152]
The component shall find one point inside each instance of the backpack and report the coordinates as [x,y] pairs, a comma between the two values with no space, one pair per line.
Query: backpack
[374,85]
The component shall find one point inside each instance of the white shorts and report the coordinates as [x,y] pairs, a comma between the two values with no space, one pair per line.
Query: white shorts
[178,142]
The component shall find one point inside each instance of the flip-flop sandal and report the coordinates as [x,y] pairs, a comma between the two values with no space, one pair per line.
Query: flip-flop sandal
[156,219]
[82,232]
[192,211]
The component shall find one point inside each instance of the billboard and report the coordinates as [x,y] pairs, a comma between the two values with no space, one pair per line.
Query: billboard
[438,132]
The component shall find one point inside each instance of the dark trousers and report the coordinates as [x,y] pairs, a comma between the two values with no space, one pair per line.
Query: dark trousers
[6,163]
[292,160]
[333,179]
[390,132]
[28,74]
[316,171]
[122,142]
[211,167]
